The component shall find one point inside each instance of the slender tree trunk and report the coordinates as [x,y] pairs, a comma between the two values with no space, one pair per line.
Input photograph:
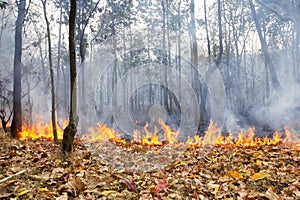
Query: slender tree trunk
[276,84]
[59,104]
[42,57]
[16,126]
[297,24]
[164,57]
[114,72]
[220,54]
[82,54]
[194,61]
[71,129]
[53,111]
[179,51]
[206,31]
[204,88]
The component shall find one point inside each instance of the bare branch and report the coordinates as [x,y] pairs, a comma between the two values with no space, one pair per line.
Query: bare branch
[13,175]
[283,5]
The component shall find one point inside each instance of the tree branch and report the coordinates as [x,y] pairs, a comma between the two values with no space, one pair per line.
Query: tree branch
[13,175]
[282,5]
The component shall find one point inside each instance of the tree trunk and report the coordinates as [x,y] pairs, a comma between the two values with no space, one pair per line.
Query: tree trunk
[297,24]
[71,129]
[53,117]
[82,55]
[114,77]
[205,89]
[164,57]
[206,31]
[194,61]
[179,51]
[58,81]
[277,86]
[16,126]
[220,54]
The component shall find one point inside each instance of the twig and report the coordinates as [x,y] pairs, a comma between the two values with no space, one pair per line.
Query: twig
[11,176]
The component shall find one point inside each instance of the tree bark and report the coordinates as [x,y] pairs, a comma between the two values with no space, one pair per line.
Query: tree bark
[196,84]
[179,50]
[53,111]
[16,126]
[220,54]
[206,31]
[58,67]
[71,129]
[164,56]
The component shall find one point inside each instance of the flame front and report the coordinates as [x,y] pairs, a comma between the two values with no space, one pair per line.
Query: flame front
[41,130]
[212,136]
[102,133]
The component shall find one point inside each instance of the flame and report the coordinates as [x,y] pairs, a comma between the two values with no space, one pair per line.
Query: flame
[170,136]
[212,136]
[41,130]
[102,133]
[149,138]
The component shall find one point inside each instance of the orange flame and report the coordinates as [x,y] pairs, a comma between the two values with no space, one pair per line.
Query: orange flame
[102,133]
[41,130]
[170,136]
[213,136]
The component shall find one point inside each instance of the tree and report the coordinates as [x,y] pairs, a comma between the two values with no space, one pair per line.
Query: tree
[3,114]
[16,126]
[71,129]
[276,84]
[85,13]
[3,4]
[219,57]
[287,11]
[53,107]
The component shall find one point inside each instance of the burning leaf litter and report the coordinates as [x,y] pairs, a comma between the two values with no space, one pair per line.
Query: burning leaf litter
[213,136]
[105,166]
[33,169]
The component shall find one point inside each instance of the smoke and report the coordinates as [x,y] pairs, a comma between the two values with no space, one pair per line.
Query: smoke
[282,111]
[235,123]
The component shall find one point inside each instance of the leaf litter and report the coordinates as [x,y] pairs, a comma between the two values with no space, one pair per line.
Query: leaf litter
[35,170]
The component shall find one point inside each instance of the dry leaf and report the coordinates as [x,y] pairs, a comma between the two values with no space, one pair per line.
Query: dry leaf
[64,196]
[131,186]
[214,188]
[21,192]
[260,175]
[235,174]
[77,185]
[297,193]
[107,192]
[271,194]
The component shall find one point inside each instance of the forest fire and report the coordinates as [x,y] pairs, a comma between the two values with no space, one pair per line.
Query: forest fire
[41,130]
[213,136]
[102,133]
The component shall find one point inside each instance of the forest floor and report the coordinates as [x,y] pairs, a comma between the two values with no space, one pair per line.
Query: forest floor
[35,170]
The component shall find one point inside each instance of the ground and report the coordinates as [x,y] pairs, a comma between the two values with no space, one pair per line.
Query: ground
[35,170]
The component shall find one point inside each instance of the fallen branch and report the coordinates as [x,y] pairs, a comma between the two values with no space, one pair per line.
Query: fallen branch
[11,176]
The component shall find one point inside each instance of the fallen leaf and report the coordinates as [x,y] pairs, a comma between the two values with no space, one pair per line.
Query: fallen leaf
[271,194]
[131,186]
[235,174]
[214,188]
[260,175]
[22,192]
[64,196]
[107,192]
[297,193]
[43,189]
[160,186]
[77,185]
